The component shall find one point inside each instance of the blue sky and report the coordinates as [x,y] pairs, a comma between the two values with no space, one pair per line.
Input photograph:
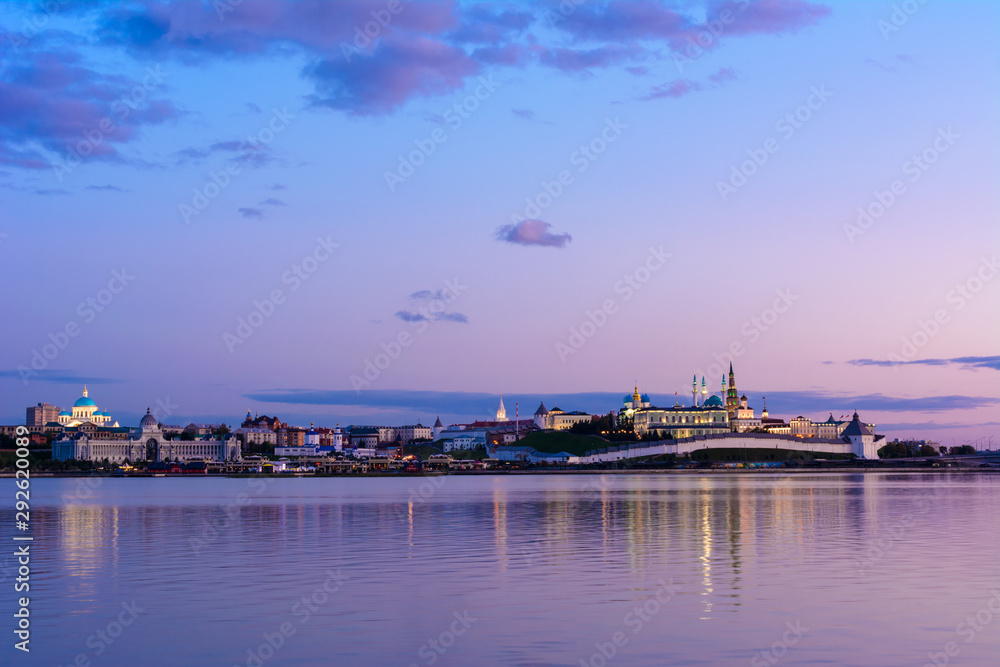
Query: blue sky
[489,293]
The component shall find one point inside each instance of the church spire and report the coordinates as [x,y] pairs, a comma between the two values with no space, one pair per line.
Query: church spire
[85,390]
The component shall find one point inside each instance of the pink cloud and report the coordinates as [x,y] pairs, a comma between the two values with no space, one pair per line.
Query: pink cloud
[394,72]
[50,101]
[532,232]
[676,88]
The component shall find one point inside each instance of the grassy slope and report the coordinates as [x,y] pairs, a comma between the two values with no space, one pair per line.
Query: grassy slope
[557,441]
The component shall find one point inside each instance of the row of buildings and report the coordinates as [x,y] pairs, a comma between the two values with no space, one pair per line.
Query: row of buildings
[87,433]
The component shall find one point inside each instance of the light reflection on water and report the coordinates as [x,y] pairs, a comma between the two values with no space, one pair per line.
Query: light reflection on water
[551,567]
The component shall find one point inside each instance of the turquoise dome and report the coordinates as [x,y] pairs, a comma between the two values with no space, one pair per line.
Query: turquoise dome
[65,413]
[84,402]
[713,402]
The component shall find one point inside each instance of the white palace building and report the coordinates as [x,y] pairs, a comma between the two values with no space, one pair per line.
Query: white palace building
[88,441]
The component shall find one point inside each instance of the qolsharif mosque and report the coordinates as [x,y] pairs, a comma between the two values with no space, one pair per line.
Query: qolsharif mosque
[85,410]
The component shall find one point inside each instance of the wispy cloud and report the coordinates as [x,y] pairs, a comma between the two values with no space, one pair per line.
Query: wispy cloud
[248,212]
[411,316]
[107,188]
[532,232]
[430,308]
[61,377]
[964,363]
[35,190]
[676,88]
[724,75]
[523,114]
[431,48]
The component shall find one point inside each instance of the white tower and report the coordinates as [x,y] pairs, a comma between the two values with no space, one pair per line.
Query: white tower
[501,411]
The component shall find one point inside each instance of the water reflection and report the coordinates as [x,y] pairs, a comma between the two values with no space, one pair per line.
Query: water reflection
[549,564]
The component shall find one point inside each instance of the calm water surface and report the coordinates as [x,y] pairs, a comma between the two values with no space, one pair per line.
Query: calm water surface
[844,569]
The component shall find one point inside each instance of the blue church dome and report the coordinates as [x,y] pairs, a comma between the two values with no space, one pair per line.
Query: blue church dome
[644,398]
[713,402]
[84,402]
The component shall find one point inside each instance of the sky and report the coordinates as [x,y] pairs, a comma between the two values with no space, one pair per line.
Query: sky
[384,212]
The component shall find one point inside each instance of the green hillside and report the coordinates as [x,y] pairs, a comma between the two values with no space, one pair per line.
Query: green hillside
[553,442]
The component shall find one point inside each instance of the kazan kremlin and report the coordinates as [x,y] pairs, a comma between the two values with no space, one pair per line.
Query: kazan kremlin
[717,422]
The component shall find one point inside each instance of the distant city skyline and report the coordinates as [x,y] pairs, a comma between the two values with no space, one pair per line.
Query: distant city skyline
[346,212]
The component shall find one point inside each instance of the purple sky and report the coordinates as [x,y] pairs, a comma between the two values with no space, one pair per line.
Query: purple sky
[501,198]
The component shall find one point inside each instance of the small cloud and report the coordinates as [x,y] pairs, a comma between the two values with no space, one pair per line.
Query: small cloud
[256,213]
[532,232]
[410,316]
[108,188]
[875,63]
[677,88]
[427,295]
[524,114]
[36,190]
[638,70]
[277,186]
[271,201]
[723,75]
[253,107]
[374,321]
[254,155]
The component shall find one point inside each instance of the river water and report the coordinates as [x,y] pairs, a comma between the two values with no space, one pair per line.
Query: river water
[700,569]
